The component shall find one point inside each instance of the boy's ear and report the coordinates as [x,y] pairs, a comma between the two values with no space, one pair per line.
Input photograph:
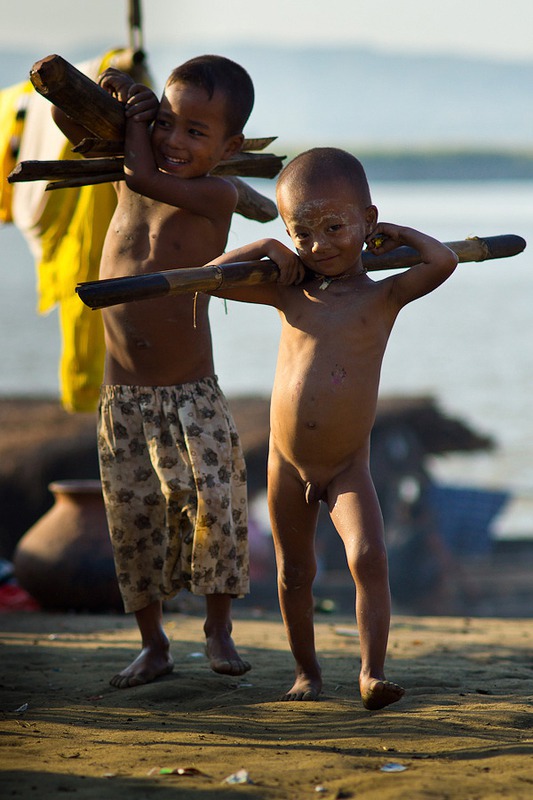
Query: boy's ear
[371,217]
[233,145]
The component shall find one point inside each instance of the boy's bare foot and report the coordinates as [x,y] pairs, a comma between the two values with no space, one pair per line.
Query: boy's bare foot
[304,689]
[223,656]
[149,665]
[377,694]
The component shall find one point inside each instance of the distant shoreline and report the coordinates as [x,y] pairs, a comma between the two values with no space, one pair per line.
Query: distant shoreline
[443,164]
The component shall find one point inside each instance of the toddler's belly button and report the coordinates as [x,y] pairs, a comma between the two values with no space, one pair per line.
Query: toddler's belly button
[311,424]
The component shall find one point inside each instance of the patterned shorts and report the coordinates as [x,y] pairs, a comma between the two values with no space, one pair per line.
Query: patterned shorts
[174,485]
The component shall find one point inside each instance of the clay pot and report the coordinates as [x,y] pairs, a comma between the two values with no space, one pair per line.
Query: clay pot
[65,560]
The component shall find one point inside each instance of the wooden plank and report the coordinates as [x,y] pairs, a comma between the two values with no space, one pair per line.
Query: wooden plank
[89,145]
[103,146]
[257,165]
[75,183]
[252,204]
[68,174]
[258,143]
[79,97]
[250,165]
[65,169]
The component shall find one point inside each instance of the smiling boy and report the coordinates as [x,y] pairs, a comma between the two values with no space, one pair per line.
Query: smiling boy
[334,330]
[172,468]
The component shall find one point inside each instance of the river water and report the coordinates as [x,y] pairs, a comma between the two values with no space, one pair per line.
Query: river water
[468,344]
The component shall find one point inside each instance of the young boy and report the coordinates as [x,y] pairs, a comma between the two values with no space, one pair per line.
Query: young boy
[335,327]
[173,473]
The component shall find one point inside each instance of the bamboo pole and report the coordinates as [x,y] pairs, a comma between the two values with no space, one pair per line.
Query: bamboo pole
[475,248]
[113,291]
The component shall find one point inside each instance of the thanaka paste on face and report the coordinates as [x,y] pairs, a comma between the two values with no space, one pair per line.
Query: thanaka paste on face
[314,214]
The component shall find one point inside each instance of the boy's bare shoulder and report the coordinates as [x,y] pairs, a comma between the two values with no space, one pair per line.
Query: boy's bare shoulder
[382,287]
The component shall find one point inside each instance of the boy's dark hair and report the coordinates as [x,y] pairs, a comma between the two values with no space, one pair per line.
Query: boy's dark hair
[326,163]
[217,72]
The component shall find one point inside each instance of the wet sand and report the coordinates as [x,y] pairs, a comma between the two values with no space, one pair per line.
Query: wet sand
[463,730]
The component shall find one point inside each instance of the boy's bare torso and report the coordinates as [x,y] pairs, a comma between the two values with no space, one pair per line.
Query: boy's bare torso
[327,377]
[165,341]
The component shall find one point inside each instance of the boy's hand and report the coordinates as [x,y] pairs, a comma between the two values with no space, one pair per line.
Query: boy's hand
[384,238]
[141,104]
[437,261]
[116,83]
[291,269]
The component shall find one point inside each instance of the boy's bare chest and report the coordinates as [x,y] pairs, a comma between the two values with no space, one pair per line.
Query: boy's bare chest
[319,330]
[327,313]
[146,236]
[141,217]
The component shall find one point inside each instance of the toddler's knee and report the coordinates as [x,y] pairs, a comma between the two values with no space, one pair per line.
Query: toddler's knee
[292,577]
[370,562]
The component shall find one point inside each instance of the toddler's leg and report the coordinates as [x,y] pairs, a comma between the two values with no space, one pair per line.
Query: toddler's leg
[154,659]
[220,647]
[293,528]
[355,512]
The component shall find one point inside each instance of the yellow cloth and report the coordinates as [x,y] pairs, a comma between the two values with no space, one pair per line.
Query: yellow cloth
[71,250]
[65,229]
[12,105]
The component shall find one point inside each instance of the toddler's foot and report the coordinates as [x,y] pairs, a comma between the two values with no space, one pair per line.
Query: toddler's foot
[149,665]
[304,688]
[377,694]
[223,656]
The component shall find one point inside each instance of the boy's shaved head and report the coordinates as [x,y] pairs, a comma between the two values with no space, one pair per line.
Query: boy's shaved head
[324,165]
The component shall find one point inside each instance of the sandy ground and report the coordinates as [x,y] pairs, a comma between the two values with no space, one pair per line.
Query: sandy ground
[463,730]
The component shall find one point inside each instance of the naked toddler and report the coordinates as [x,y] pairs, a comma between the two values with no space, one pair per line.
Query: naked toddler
[335,327]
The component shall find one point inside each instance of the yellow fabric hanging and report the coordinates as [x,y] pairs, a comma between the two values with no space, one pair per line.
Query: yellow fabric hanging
[12,107]
[65,229]
[72,248]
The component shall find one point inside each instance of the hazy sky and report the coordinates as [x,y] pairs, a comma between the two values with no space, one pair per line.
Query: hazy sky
[500,29]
